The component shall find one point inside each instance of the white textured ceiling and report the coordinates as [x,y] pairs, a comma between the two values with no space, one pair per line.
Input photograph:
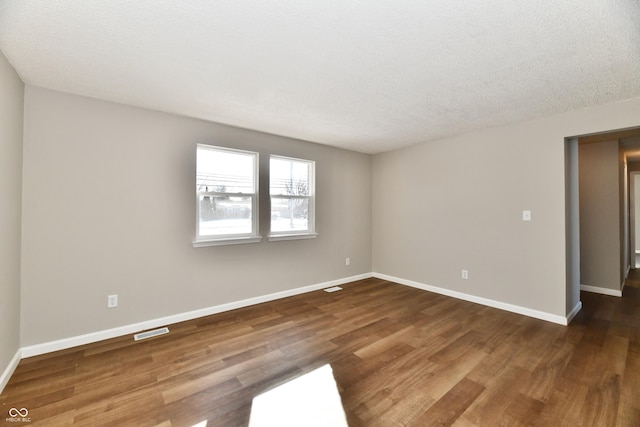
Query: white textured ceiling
[367,75]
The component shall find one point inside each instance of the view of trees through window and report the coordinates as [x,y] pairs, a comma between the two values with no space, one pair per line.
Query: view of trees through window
[291,189]
[227,191]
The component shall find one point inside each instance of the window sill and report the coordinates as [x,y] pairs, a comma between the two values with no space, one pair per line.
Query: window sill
[277,237]
[224,242]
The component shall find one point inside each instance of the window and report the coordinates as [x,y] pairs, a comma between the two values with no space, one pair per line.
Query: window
[227,196]
[292,189]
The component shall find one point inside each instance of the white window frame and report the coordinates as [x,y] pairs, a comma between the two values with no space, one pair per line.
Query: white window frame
[310,233]
[230,239]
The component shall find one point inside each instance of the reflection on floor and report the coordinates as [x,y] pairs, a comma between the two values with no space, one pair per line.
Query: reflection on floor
[310,400]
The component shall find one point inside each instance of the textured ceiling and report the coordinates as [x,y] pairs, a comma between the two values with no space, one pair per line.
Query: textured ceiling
[367,75]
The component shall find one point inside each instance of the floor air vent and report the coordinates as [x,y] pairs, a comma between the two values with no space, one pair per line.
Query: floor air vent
[334,289]
[149,334]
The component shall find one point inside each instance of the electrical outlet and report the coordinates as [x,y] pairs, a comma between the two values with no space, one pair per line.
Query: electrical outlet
[526,215]
[112,301]
[465,274]
[347,261]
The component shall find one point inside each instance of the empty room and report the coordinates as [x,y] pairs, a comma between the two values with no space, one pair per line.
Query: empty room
[337,213]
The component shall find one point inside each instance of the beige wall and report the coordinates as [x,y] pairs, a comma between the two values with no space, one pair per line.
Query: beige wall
[109,207]
[600,215]
[572,221]
[623,214]
[636,178]
[11,112]
[457,203]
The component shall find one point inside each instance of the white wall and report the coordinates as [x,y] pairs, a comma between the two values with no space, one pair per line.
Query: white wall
[457,203]
[109,207]
[11,112]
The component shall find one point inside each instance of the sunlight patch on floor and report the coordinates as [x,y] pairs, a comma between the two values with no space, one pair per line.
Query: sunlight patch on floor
[311,400]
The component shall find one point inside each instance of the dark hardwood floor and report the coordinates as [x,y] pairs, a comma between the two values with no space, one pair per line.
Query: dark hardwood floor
[400,356]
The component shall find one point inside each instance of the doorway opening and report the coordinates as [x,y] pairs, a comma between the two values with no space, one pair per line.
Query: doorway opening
[634,219]
[603,197]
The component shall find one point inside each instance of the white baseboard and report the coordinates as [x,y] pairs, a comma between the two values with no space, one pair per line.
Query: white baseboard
[51,346]
[603,291]
[65,343]
[479,300]
[13,364]
[573,312]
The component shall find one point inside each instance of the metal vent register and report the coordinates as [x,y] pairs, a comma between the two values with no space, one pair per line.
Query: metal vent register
[149,334]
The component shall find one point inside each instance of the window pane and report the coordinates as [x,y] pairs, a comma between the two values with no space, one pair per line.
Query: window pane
[289,214]
[289,177]
[220,215]
[225,172]
[226,185]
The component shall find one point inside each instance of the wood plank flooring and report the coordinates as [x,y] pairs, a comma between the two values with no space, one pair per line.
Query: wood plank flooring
[400,356]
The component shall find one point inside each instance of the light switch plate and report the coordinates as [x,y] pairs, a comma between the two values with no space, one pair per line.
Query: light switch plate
[112,301]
